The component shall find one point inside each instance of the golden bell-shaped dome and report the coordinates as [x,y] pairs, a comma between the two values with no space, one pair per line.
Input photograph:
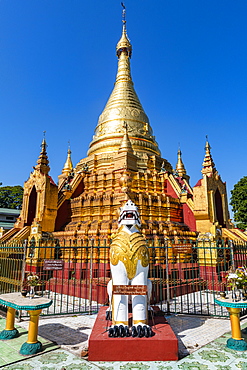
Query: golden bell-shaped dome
[123,106]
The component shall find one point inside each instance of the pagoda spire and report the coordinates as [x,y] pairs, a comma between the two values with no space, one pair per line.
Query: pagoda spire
[125,159]
[208,166]
[125,144]
[180,168]
[68,166]
[43,162]
[123,106]
[124,44]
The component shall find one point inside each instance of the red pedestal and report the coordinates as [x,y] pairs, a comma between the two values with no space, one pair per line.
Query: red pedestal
[163,346]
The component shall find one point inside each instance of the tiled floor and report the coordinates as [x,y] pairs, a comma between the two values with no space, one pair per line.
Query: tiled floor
[9,349]
[72,332]
[69,332]
[213,356]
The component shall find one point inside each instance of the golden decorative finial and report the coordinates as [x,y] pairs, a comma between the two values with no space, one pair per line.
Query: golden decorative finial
[42,162]
[125,144]
[44,141]
[124,13]
[180,169]
[208,166]
[207,146]
[68,166]
[124,44]
[69,151]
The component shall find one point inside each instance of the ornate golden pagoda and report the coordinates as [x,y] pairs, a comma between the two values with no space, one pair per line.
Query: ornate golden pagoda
[210,198]
[123,162]
[39,207]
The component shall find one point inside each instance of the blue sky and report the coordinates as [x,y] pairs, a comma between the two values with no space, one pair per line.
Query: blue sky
[58,67]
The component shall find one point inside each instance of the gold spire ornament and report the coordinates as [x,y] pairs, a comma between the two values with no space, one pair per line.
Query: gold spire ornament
[180,169]
[43,162]
[68,166]
[124,42]
[125,144]
[208,166]
[123,106]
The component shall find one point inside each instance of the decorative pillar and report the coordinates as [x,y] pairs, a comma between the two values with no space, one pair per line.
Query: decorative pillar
[10,332]
[236,342]
[32,345]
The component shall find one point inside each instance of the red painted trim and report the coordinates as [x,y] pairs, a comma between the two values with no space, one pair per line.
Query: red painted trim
[189,218]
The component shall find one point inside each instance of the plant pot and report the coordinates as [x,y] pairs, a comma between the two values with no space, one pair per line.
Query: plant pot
[234,295]
[32,292]
[24,292]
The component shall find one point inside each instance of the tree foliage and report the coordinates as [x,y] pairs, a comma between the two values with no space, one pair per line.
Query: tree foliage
[11,196]
[239,203]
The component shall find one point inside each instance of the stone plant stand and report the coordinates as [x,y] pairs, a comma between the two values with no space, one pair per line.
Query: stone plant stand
[236,342]
[15,301]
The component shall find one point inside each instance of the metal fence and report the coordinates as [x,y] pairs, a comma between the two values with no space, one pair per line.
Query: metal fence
[186,277]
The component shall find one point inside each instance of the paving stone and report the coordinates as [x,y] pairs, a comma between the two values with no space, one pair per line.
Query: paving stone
[201,345]
[9,349]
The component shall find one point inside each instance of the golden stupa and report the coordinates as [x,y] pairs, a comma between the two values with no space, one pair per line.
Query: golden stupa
[123,162]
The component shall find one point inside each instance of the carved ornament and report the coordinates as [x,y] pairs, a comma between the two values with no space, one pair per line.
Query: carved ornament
[129,249]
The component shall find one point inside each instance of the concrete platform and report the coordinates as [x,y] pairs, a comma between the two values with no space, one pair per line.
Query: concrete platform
[163,346]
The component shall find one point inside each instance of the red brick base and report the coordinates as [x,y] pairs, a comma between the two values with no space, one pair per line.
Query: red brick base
[163,346]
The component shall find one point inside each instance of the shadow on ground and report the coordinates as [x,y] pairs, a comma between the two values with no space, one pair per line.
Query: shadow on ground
[63,335]
[180,323]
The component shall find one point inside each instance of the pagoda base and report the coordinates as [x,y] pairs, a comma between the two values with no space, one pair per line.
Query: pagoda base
[162,346]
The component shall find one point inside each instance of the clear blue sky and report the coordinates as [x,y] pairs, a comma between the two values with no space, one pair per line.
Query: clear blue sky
[58,66]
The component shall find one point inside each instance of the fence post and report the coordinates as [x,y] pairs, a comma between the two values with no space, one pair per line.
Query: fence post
[91,277]
[23,271]
[24,262]
[167,279]
[232,254]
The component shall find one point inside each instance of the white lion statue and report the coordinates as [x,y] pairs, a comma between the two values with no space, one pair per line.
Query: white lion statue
[129,261]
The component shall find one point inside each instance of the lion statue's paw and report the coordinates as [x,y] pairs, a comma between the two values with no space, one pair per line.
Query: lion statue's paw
[141,330]
[119,330]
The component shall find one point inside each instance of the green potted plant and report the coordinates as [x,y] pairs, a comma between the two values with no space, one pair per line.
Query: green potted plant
[237,281]
[32,281]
